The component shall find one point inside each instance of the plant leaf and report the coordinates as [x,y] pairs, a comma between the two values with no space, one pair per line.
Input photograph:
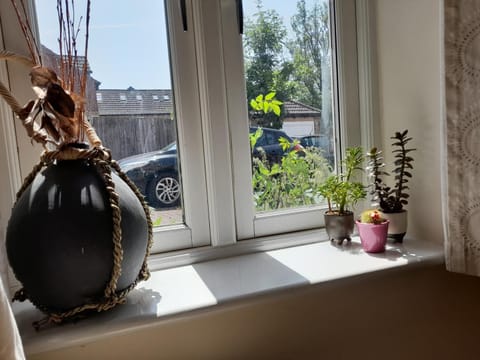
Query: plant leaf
[270,95]
[276,109]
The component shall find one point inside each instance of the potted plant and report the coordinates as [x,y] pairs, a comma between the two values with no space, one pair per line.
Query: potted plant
[391,201]
[373,229]
[341,193]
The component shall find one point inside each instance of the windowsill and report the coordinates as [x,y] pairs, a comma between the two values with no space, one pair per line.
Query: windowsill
[191,287]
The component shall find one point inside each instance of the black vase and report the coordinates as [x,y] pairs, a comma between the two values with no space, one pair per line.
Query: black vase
[339,227]
[59,237]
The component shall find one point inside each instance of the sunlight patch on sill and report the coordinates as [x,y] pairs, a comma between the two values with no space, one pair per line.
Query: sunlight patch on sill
[173,293]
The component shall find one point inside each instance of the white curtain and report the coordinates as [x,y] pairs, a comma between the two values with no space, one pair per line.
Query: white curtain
[462,135]
[10,341]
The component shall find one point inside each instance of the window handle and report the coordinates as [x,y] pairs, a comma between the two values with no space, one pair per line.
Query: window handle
[240,16]
[183,8]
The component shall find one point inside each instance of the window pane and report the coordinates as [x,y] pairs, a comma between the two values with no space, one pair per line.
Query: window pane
[288,70]
[129,97]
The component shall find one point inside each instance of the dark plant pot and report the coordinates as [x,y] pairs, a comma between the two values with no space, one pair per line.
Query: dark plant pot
[59,237]
[339,227]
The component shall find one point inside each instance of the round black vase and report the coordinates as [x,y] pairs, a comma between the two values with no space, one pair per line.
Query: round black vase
[59,237]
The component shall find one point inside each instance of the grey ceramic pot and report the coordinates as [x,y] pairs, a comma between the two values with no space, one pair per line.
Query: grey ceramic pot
[339,227]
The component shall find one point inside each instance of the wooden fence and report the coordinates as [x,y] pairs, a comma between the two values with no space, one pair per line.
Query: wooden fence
[127,135]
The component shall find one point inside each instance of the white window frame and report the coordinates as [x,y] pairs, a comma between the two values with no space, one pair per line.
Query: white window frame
[217,191]
[249,223]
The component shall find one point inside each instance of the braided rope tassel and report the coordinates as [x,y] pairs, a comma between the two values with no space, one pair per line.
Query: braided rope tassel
[111,288]
[145,273]
[101,158]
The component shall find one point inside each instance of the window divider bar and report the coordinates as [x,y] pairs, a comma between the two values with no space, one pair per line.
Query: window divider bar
[367,76]
[216,133]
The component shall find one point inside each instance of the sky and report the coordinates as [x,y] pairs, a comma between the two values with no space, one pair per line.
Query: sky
[122,51]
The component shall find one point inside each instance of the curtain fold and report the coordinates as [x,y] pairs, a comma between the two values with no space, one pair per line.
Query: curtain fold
[462,135]
[10,341]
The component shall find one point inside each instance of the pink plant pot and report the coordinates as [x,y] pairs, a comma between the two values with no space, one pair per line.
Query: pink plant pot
[373,236]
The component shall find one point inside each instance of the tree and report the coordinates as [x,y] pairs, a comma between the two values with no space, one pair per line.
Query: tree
[310,51]
[266,69]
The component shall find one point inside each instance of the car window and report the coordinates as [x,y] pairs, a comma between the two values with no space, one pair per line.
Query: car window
[172,146]
[271,139]
[262,140]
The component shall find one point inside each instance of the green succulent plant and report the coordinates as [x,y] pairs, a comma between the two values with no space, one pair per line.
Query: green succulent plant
[390,199]
[340,191]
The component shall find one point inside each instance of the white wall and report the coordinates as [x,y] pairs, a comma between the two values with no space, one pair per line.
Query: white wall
[409,61]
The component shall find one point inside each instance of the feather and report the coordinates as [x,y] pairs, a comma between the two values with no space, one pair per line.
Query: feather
[42,76]
[68,125]
[49,127]
[60,101]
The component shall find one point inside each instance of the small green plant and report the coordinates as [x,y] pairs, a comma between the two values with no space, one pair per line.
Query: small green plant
[157,222]
[389,199]
[372,217]
[340,191]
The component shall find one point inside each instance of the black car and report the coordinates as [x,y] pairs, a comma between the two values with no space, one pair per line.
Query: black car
[156,173]
[269,144]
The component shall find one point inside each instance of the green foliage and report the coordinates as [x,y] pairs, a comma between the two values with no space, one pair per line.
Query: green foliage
[157,222]
[297,67]
[310,51]
[391,199]
[340,191]
[266,104]
[265,67]
[254,137]
[292,182]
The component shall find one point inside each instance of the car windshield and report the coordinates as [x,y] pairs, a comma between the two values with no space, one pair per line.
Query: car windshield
[172,146]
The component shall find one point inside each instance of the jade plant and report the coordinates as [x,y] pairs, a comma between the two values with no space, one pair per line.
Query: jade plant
[340,190]
[391,200]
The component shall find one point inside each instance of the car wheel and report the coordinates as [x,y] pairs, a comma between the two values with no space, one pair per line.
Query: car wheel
[164,191]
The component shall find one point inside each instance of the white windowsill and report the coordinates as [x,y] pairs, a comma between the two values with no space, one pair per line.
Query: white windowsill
[185,288]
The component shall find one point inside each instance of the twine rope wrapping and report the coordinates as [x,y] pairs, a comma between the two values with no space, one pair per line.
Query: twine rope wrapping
[101,158]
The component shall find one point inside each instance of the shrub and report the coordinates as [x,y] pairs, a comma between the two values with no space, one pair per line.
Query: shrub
[292,182]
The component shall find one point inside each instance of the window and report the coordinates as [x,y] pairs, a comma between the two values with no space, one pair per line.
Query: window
[207,96]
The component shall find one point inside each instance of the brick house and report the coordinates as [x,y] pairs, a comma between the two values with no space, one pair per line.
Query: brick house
[300,119]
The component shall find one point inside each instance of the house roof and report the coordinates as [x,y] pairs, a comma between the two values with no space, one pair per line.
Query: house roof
[52,60]
[134,102]
[297,109]
[159,101]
